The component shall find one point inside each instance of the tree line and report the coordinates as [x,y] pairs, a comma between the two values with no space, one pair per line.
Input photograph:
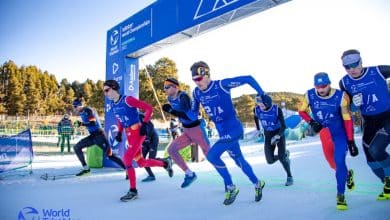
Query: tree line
[27,90]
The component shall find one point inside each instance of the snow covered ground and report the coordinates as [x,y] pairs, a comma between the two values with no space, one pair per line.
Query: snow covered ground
[313,195]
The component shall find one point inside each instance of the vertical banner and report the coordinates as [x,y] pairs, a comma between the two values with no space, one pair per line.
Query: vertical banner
[125,72]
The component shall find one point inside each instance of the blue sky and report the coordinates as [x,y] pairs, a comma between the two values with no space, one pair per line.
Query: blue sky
[282,47]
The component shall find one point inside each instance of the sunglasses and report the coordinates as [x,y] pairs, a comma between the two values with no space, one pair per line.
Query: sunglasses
[198,79]
[106,90]
[352,65]
[321,86]
[167,87]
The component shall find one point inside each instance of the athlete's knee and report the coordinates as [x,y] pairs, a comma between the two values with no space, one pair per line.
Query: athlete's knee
[141,163]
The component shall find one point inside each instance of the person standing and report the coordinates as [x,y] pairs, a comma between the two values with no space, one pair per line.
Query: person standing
[215,97]
[272,120]
[174,128]
[368,89]
[125,109]
[66,130]
[90,119]
[180,106]
[332,118]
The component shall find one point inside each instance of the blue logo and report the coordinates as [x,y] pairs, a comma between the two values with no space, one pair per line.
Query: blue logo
[28,213]
[114,37]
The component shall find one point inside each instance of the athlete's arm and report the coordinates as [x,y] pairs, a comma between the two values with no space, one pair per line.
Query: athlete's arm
[91,119]
[281,121]
[148,109]
[256,119]
[242,80]
[385,71]
[304,109]
[195,104]
[346,114]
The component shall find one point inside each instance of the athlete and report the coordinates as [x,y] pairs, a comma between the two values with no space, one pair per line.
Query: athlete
[149,147]
[332,118]
[215,97]
[180,106]
[367,88]
[90,120]
[125,109]
[272,121]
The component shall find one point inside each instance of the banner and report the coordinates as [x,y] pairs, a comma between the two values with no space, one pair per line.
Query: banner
[16,151]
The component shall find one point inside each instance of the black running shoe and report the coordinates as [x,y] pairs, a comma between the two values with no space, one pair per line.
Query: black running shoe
[131,195]
[259,190]
[84,172]
[231,195]
[350,181]
[168,166]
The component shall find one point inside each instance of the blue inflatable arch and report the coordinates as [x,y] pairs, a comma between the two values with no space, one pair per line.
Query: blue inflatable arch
[163,23]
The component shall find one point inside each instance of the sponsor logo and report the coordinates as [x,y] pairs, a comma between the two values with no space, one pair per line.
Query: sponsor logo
[115,68]
[31,213]
[114,37]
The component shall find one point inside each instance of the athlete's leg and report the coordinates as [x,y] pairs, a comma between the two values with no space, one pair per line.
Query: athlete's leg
[283,156]
[198,136]
[177,144]
[214,156]
[78,148]
[340,154]
[236,154]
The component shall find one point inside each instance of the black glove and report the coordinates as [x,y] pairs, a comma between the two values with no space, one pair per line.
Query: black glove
[78,123]
[353,150]
[143,130]
[167,108]
[118,136]
[315,125]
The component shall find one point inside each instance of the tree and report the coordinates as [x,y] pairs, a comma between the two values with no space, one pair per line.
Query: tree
[244,107]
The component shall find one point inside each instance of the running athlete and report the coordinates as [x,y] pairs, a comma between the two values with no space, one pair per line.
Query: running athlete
[180,106]
[215,97]
[149,147]
[367,88]
[272,121]
[331,115]
[125,109]
[90,120]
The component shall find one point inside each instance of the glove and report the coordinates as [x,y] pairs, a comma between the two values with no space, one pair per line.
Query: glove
[275,139]
[78,123]
[353,150]
[118,136]
[315,125]
[357,100]
[143,131]
[167,108]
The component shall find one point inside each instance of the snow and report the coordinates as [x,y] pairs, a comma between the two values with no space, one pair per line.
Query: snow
[313,195]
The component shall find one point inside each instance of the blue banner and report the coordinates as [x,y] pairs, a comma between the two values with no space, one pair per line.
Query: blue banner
[165,18]
[16,151]
[125,72]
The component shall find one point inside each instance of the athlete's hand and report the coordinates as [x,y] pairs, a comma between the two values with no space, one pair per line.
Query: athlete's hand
[77,123]
[357,99]
[353,150]
[167,108]
[118,136]
[315,125]
[275,139]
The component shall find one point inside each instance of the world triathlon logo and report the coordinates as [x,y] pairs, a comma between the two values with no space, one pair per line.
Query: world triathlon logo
[114,37]
[30,213]
[207,7]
